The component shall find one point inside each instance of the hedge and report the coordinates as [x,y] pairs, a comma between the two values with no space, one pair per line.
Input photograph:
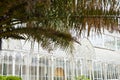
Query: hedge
[10,78]
[2,77]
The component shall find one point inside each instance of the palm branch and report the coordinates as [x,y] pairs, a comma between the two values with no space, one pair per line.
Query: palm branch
[44,36]
[50,21]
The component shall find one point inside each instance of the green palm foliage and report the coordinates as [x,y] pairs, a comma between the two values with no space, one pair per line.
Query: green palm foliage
[50,22]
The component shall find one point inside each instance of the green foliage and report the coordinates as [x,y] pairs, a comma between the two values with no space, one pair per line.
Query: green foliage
[2,77]
[49,22]
[13,78]
[10,78]
[81,78]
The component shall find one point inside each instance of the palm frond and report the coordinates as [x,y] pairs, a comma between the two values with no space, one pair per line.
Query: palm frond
[50,21]
[42,35]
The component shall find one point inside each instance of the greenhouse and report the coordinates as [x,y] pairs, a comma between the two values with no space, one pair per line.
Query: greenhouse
[91,61]
[60,39]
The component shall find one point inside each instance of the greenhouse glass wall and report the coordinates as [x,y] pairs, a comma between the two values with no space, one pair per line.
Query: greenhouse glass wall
[49,67]
[97,58]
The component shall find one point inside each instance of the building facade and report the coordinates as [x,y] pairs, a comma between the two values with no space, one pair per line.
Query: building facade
[96,61]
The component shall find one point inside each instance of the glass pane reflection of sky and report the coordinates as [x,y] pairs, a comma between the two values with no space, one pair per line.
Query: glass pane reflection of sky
[106,41]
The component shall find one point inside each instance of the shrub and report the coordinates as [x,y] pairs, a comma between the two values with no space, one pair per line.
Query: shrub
[13,78]
[10,78]
[2,77]
[81,78]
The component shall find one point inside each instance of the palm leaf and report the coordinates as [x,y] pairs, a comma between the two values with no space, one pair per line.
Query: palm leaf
[42,35]
[50,22]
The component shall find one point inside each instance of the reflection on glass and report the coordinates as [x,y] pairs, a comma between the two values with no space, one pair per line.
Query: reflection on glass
[118,43]
[4,69]
[5,58]
[10,69]
[0,68]
[34,60]
[42,73]
[97,71]
[109,42]
[33,72]
[24,70]
[78,68]
[111,72]
[10,58]
[68,70]
[17,69]
[18,58]
[97,40]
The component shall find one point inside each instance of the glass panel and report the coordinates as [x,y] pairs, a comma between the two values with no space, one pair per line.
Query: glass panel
[33,72]
[34,60]
[98,71]
[68,70]
[10,69]
[18,70]
[109,42]
[117,72]
[96,40]
[89,69]
[59,73]
[4,69]
[18,58]
[118,43]
[5,58]
[44,68]
[24,69]
[10,58]
[111,72]
[78,68]
[0,68]
[41,73]
[48,69]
